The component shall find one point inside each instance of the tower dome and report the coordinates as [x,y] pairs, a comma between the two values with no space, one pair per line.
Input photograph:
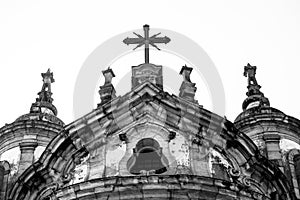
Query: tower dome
[42,108]
[276,135]
[259,118]
[23,141]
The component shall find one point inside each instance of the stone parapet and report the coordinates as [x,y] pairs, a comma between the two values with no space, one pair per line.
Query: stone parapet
[157,187]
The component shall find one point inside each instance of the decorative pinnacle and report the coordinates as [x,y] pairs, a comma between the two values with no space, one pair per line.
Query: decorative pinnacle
[44,101]
[45,93]
[108,75]
[255,97]
[48,76]
[187,89]
[146,40]
[250,72]
[107,91]
[186,73]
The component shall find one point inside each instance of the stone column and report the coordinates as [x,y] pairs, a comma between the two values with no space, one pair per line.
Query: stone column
[4,173]
[2,170]
[27,155]
[273,149]
[297,167]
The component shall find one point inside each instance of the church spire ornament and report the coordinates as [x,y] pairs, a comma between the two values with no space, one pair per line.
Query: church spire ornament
[255,97]
[250,72]
[188,88]
[147,72]
[146,40]
[107,91]
[44,101]
[45,94]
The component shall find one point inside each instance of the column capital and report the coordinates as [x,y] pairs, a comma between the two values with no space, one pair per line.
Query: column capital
[271,137]
[28,145]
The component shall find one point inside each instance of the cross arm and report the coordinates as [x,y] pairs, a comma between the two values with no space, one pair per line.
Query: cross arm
[133,40]
[164,40]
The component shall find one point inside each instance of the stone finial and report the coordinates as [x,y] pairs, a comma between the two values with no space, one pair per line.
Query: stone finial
[255,97]
[107,91]
[250,72]
[108,75]
[44,101]
[186,72]
[187,89]
[45,93]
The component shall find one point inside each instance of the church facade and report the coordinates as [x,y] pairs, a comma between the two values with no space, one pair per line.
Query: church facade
[149,144]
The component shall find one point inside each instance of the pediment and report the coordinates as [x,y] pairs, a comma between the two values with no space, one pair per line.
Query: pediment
[148,99]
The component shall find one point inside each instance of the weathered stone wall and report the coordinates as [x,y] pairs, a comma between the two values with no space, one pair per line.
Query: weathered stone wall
[267,127]
[26,135]
[104,140]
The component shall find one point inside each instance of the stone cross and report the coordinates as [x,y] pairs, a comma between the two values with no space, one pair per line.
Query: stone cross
[146,40]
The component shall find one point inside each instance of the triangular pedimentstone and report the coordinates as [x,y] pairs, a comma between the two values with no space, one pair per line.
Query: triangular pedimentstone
[148,100]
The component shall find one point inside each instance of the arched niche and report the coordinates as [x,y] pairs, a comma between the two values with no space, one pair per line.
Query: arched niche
[12,156]
[147,158]
[248,167]
[38,152]
[60,156]
[293,166]
[286,145]
[53,167]
[158,147]
[4,175]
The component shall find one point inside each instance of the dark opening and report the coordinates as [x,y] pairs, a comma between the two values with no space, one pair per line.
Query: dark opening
[147,157]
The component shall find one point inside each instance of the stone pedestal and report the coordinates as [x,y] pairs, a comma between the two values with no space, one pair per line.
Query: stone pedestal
[147,72]
[187,91]
[273,149]
[107,93]
[27,155]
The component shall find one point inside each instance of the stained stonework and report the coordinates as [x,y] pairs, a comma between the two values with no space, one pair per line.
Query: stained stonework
[225,164]
[149,144]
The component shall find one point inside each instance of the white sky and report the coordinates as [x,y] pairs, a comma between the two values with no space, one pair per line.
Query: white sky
[35,35]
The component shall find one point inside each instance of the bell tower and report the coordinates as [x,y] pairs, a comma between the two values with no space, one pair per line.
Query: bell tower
[24,140]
